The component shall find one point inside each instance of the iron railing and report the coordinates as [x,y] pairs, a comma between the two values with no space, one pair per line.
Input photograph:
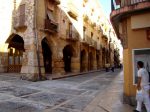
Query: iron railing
[72,35]
[51,26]
[123,3]
[88,40]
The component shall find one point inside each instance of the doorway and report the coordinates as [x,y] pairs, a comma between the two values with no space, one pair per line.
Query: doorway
[67,55]
[98,61]
[47,56]
[83,61]
[90,61]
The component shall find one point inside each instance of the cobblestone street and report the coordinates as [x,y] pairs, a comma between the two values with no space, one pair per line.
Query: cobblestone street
[93,92]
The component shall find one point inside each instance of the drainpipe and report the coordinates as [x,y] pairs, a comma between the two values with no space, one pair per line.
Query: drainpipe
[36,39]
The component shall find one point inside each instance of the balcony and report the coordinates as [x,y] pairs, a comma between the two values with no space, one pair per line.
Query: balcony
[123,7]
[88,40]
[72,36]
[124,3]
[72,11]
[93,25]
[51,26]
[57,2]
[19,21]
[93,43]
[85,18]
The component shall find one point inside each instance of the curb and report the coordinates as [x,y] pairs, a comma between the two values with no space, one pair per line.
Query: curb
[76,74]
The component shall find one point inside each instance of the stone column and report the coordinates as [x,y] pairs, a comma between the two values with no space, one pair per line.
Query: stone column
[30,68]
[58,63]
[75,64]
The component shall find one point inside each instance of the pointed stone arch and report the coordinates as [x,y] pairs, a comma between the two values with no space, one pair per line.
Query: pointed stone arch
[15,53]
[68,53]
[83,60]
[91,60]
[47,55]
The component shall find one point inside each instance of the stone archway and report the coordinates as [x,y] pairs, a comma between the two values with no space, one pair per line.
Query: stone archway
[91,61]
[15,53]
[67,55]
[103,57]
[98,60]
[83,61]
[47,56]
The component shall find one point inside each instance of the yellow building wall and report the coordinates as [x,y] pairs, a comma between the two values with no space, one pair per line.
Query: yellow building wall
[136,40]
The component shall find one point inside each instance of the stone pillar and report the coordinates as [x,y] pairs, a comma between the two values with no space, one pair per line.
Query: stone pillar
[75,64]
[30,68]
[58,67]
[58,63]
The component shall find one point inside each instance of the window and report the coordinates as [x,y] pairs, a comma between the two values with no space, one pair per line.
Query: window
[70,29]
[91,34]
[84,32]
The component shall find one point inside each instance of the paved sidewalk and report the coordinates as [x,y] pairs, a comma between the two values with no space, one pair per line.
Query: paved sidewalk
[110,100]
[92,92]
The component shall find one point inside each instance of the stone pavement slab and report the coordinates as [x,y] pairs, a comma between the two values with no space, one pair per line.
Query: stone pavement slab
[110,99]
[17,91]
[21,105]
[79,103]
[48,98]
[92,92]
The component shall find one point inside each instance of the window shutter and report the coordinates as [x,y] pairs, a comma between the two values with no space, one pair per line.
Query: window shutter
[22,14]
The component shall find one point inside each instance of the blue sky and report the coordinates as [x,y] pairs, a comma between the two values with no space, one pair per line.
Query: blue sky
[106,5]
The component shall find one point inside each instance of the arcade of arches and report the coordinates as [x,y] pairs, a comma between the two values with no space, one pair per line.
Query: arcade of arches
[73,59]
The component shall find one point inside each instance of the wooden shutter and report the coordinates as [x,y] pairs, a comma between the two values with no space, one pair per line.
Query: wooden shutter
[22,15]
[70,30]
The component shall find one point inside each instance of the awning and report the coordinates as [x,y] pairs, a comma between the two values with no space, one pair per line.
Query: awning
[16,45]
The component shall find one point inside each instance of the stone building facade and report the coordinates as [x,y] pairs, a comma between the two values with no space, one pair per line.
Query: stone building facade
[56,37]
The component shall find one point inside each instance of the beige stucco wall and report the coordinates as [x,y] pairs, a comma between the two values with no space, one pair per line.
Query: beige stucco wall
[140,21]
[136,40]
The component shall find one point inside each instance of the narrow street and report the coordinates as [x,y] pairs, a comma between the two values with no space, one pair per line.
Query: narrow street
[93,92]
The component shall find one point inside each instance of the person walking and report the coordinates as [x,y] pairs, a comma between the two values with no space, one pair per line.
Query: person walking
[143,86]
[112,68]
